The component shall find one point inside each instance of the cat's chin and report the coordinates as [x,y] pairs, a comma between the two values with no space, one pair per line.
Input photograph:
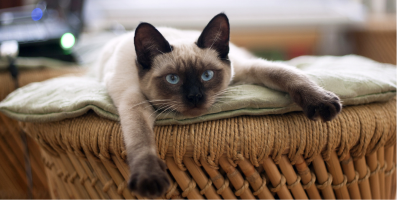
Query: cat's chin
[194,112]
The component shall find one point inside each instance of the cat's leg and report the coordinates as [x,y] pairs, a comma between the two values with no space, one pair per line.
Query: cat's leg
[314,100]
[148,172]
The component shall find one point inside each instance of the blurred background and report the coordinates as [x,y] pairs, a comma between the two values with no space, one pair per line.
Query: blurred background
[41,39]
[73,30]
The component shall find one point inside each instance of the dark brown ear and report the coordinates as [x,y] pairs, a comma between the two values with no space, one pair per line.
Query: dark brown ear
[216,35]
[148,44]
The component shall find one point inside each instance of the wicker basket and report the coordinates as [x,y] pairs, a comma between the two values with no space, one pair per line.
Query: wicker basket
[276,156]
[13,182]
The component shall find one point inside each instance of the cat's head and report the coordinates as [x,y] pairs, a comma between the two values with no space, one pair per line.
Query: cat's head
[184,77]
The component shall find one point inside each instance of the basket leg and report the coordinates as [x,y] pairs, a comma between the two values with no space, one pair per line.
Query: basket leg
[363,183]
[81,172]
[116,177]
[62,173]
[236,179]
[389,170]
[100,176]
[372,162]
[200,178]
[381,158]
[306,177]
[39,181]
[394,177]
[335,169]
[348,169]
[275,176]
[291,177]
[255,180]
[322,177]
[57,186]
[218,180]
[183,179]
[122,166]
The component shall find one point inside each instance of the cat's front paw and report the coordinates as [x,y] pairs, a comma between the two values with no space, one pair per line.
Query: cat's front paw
[149,178]
[321,103]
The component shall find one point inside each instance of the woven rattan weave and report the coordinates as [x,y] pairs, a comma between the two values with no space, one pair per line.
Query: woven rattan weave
[13,182]
[276,156]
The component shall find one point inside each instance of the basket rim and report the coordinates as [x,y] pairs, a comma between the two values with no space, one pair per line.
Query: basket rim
[359,130]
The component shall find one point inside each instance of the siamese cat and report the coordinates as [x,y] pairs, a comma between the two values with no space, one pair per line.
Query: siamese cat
[185,71]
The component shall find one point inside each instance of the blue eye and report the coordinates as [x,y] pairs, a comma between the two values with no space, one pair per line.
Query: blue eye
[172,78]
[207,75]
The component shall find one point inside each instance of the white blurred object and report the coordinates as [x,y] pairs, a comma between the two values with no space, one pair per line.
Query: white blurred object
[9,49]
[242,14]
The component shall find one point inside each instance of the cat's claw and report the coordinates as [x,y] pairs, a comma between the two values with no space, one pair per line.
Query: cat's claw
[325,105]
[150,181]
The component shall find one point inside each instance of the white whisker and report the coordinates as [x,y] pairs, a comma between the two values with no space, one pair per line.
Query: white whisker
[163,107]
[166,109]
[148,101]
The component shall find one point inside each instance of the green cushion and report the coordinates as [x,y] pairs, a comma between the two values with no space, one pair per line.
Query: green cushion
[356,80]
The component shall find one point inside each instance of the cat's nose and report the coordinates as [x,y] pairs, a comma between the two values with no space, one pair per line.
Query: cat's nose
[195,98]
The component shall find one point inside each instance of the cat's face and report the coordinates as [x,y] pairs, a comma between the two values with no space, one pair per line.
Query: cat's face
[186,78]
[190,78]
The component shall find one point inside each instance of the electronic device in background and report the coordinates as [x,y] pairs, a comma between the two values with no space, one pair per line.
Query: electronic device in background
[48,29]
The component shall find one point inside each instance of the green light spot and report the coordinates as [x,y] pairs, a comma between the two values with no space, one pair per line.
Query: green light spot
[67,40]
